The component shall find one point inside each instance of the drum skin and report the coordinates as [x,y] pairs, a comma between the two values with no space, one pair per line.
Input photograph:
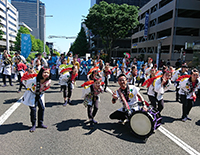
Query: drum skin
[141,124]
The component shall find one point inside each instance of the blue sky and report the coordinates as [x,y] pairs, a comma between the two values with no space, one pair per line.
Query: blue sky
[66,20]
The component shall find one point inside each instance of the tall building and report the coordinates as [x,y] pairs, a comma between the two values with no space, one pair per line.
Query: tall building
[171,23]
[32,12]
[139,3]
[12,23]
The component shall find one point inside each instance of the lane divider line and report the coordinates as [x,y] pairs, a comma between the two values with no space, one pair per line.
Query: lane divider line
[179,142]
[9,112]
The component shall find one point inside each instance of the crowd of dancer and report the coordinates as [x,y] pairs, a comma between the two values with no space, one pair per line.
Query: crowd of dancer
[36,78]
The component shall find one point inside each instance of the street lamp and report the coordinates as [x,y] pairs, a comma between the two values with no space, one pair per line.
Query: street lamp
[159,50]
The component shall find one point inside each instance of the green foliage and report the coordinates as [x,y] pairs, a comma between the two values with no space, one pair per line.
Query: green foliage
[57,53]
[111,21]
[47,50]
[80,45]
[1,31]
[31,56]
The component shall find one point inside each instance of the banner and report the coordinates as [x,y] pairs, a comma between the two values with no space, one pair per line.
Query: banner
[26,45]
[146,25]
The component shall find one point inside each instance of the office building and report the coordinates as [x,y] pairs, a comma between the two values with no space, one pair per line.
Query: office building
[171,23]
[12,23]
[32,12]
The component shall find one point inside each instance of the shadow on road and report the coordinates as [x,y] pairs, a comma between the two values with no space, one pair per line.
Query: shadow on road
[51,104]
[76,102]
[168,119]
[9,101]
[198,123]
[7,128]
[72,123]
[7,91]
[114,129]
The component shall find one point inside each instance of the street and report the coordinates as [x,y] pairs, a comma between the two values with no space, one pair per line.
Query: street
[69,133]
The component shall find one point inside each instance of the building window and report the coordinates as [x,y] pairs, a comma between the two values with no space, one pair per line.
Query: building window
[12,17]
[165,49]
[152,36]
[142,50]
[144,14]
[164,33]
[12,12]
[12,29]
[187,31]
[165,17]
[152,22]
[134,50]
[154,8]
[188,13]
[164,2]
[150,50]
[12,23]
[2,3]
[135,40]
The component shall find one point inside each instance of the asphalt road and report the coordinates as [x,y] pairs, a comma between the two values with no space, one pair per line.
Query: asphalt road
[69,133]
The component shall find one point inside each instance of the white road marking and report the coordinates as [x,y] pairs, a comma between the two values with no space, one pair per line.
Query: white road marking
[179,142]
[7,114]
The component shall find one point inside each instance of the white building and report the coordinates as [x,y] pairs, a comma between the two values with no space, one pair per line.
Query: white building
[12,23]
[178,21]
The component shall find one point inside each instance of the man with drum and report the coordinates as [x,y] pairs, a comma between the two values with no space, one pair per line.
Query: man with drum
[128,95]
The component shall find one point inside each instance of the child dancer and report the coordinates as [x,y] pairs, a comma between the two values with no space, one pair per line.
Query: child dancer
[34,95]
[20,69]
[91,99]
[67,83]
[106,74]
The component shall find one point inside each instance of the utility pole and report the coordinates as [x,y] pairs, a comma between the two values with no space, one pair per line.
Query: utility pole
[7,33]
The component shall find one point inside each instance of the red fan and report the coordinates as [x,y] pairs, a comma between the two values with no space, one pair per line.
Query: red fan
[65,70]
[93,69]
[114,68]
[182,77]
[27,76]
[150,81]
[127,72]
[87,83]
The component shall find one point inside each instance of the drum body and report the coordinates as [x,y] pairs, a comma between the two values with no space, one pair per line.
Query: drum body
[144,122]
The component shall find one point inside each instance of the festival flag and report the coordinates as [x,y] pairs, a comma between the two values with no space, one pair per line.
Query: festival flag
[26,45]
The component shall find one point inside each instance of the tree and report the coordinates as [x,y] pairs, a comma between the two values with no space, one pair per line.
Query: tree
[111,21]
[17,43]
[1,32]
[80,45]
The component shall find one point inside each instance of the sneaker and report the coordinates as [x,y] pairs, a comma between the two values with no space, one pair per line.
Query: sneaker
[95,122]
[184,119]
[18,91]
[4,85]
[32,129]
[11,84]
[65,103]
[42,126]
[69,101]
[188,118]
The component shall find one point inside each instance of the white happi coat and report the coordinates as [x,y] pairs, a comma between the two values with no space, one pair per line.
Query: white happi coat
[29,95]
[185,88]
[177,74]
[130,78]
[87,91]
[132,96]
[160,90]
[63,79]
[7,69]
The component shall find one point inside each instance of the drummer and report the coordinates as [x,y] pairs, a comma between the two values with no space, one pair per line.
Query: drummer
[128,94]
